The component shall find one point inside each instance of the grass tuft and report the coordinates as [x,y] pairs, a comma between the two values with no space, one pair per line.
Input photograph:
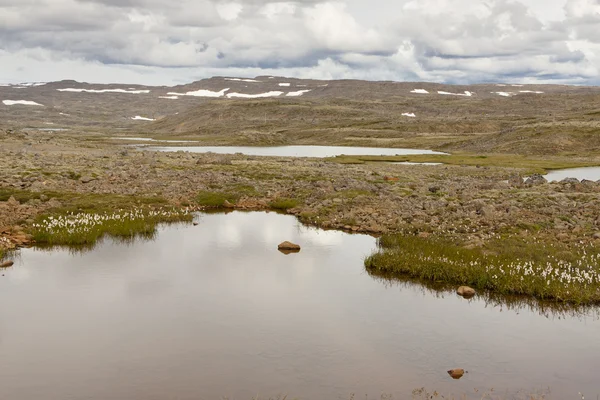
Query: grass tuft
[283,204]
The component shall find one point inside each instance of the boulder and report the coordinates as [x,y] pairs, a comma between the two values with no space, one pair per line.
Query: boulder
[456,373]
[6,264]
[288,246]
[570,180]
[515,180]
[465,291]
[536,179]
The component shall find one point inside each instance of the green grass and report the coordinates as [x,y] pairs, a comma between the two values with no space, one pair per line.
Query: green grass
[210,199]
[87,228]
[283,204]
[506,265]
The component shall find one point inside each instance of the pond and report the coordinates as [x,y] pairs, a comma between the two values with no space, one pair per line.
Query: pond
[589,173]
[296,151]
[215,310]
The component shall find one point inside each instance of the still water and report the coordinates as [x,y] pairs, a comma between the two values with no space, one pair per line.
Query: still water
[590,173]
[297,151]
[214,310]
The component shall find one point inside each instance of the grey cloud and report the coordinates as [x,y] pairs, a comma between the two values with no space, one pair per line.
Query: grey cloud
[439,40]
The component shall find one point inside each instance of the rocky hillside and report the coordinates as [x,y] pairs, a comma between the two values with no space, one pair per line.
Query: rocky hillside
[535,119]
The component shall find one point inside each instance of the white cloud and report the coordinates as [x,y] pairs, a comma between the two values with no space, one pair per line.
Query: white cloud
[165,42]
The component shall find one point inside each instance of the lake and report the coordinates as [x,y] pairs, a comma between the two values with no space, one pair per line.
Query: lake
[215,310]
[590,173]
[295,151]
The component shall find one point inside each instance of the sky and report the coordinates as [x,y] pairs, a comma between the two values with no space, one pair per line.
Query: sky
[167,42]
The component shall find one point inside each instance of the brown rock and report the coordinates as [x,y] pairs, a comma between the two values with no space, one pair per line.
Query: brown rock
[456,373]
[465,291]
[6,264]
[227,204]
[288,246]
[390,179]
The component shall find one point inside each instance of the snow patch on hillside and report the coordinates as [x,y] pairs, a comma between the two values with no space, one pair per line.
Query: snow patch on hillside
[254,96]
[298,93]
[419,91]
[466,93]
[21,102]
[138,118]
[241,80]
[201,93]
[74,90]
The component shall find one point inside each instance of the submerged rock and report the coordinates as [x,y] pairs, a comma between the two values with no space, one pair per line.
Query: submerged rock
[456,373]
[465,291]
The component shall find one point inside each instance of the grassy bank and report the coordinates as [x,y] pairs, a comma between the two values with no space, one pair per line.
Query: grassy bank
[505,265]
[87,228]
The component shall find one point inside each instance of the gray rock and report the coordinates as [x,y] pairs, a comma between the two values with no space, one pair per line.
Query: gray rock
[570,180]
[536,179]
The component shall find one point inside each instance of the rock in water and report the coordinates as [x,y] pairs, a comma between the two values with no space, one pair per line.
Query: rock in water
[6,264]
[288,246]
[456,373]
[466,291]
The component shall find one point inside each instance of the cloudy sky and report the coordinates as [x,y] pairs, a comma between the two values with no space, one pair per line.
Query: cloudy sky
[171,42]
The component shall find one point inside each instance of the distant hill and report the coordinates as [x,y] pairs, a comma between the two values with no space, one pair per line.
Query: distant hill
[277,110]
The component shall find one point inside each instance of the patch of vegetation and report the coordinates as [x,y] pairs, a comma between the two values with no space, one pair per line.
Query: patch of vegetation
[87,228]
[506,265]
[215,199]
[283,204]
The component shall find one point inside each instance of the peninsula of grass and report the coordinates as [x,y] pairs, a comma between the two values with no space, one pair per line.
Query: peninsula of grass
[531,164]
[506,265]
[84,229]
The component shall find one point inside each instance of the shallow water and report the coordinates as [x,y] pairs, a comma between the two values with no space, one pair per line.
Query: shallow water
[296,151]
[215,310]
[590,173]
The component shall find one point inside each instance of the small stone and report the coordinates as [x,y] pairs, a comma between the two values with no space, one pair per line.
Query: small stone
[456,373]
[195,223]
[227,204]
[6,264]
[596,235]
[434,189]
[466,291]
[86,179]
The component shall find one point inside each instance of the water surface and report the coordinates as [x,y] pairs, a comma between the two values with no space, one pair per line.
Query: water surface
[215,310]
[296,151]
[590,173]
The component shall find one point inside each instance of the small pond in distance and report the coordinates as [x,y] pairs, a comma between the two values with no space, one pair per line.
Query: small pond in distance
[214,310]
[589,173]
[295,151]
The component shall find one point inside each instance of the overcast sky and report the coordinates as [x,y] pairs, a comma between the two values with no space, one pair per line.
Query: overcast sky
[178,41]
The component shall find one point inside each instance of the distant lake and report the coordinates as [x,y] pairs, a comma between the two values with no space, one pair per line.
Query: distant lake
[589,173]
[297,151]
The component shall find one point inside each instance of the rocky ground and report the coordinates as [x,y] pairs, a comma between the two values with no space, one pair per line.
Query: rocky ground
[468,202]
